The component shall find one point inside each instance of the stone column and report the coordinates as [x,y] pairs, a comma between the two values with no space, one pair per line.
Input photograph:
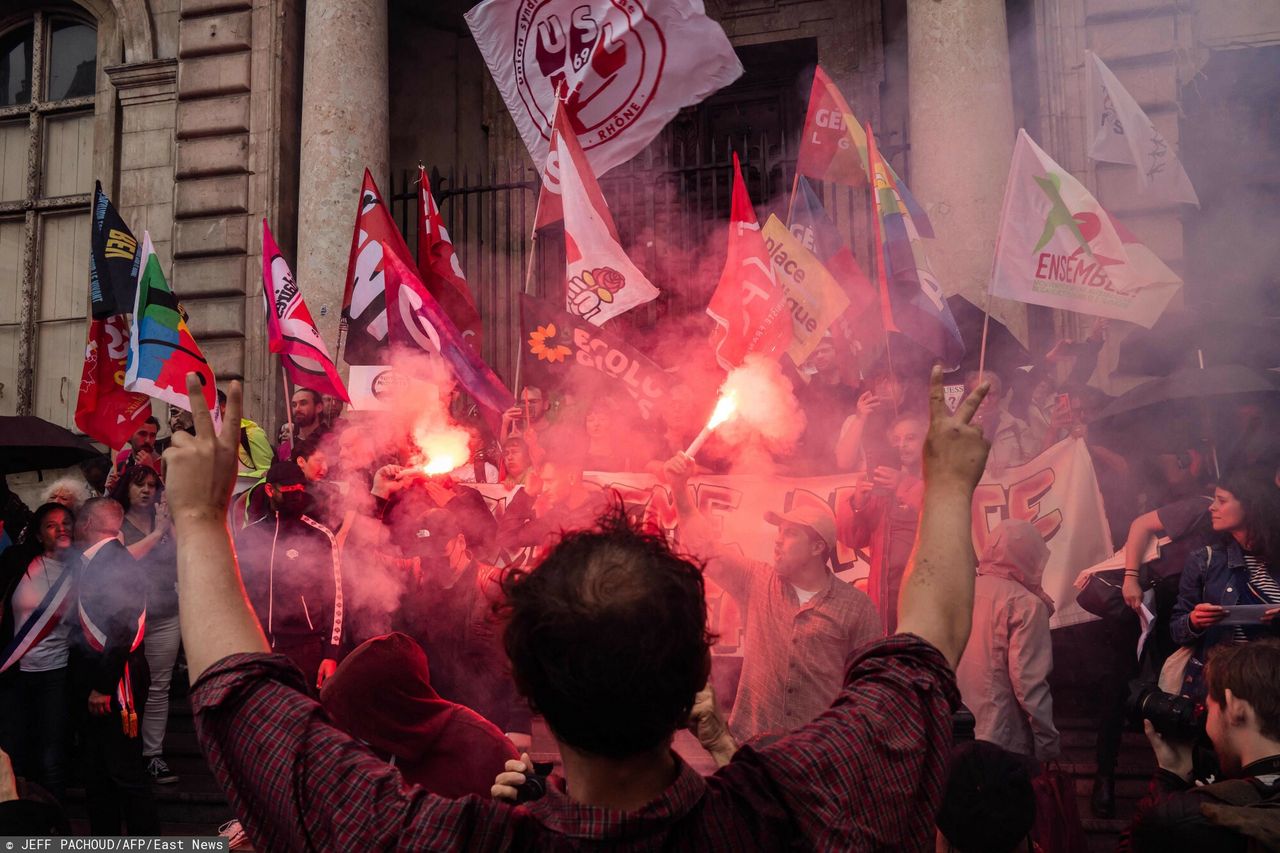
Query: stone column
[962,135]
[344,130]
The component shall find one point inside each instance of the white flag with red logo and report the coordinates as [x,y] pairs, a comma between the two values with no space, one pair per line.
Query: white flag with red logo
[627,67]
[603,282]
[1058,247]
[748,306]
[291,333]
[439,267]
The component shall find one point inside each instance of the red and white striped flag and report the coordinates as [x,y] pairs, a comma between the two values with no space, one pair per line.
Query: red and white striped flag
[291,332]
[439,267]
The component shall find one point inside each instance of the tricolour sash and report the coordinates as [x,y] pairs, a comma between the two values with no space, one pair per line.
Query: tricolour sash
[41,621]
[124,690]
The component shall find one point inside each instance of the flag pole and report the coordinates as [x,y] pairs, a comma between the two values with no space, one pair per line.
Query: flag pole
[524,289]
[288,407]
[995,255]
[877,249]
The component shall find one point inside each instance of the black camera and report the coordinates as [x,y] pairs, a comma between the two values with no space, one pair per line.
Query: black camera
[1174,717]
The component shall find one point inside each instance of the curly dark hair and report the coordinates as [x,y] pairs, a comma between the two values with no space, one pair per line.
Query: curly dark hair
[133,476]
[608,637]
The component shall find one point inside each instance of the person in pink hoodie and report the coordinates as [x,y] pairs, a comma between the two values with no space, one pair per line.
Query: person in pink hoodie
[1004,672]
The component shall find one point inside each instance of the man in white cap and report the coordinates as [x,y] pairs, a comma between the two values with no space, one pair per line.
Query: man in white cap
[801,621]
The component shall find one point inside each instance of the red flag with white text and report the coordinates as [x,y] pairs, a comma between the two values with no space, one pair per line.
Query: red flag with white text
[564,144]
[439,267]
[363,303]
[104,410]
[291,333]
[748,305]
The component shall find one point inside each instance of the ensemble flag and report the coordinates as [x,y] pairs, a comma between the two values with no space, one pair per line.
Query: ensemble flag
[363,302]
[564,145]
[161,349]
[814,298]
[911,300]
[416,320]
[748,306]
[439,267]
[626,68]
[291,333]
[1124,134]
[113,260]
[816,232]
[557,347]
[602,280]
[833,146]
[105,411]
[1058,247]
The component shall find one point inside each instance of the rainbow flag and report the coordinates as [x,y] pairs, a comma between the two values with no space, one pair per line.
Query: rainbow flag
[911,300]
[161,349]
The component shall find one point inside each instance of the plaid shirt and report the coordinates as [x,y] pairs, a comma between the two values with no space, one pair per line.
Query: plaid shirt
[793,663]
[865,775]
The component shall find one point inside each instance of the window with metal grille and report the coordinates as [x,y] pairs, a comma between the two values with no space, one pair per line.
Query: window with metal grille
[48,74]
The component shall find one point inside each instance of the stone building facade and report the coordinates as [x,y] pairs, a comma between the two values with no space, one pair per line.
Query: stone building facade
[203,117]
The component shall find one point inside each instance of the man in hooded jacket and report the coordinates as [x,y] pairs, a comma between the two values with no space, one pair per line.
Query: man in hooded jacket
[1004,673]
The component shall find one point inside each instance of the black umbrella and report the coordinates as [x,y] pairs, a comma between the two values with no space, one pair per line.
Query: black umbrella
[1192,383]
[1172,343]
[30,444]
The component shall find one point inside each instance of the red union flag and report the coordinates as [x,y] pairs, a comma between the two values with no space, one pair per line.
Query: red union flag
[564,145]
[748,306]
[291,332]
[833,146]
[439,267]
[104,410]
[364,303]
[626,66]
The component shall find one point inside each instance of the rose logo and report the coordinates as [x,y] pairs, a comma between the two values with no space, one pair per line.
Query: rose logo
[590,290]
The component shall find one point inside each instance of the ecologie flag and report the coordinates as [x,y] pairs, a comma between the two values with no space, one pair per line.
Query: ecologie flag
[1124,134]
[748,306]
[161,349]
[556,346]
[564,144]
[911,300]
[816,232]
[626,68]
[1058,247]
[417,321]
[291,333]
[364,307]
[105,411]
[602,280]
[813,297]
[439,267]
[113,260]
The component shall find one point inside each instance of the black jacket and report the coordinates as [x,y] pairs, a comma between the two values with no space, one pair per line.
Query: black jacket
[293,577]
[112,592]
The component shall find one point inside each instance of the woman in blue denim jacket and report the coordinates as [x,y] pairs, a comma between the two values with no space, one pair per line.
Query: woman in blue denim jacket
[1242,568]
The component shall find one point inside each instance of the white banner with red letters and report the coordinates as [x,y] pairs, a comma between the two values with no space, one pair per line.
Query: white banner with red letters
[1057,492]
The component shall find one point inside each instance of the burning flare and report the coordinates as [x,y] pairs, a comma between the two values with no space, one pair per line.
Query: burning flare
[442,451]
[725,408]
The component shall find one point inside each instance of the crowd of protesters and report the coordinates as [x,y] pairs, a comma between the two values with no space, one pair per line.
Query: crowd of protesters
[367,578]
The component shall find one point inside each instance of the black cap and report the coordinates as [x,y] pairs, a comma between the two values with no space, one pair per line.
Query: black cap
[285,474]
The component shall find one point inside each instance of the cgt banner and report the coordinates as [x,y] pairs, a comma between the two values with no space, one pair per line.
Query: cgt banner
[1057,492]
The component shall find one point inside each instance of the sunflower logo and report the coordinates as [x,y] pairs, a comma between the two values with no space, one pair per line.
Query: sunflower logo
[545,344]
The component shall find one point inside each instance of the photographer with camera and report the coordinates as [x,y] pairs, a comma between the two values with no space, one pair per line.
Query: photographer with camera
[1242,720]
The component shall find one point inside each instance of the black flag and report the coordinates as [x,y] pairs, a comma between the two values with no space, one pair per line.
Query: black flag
[554,344]
[113,260]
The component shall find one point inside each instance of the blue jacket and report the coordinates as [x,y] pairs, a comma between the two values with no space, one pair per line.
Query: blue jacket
[1215,574]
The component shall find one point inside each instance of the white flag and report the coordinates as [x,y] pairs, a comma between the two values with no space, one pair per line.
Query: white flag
[1058,247]
[626,68]
[602,280]
[1124,134]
